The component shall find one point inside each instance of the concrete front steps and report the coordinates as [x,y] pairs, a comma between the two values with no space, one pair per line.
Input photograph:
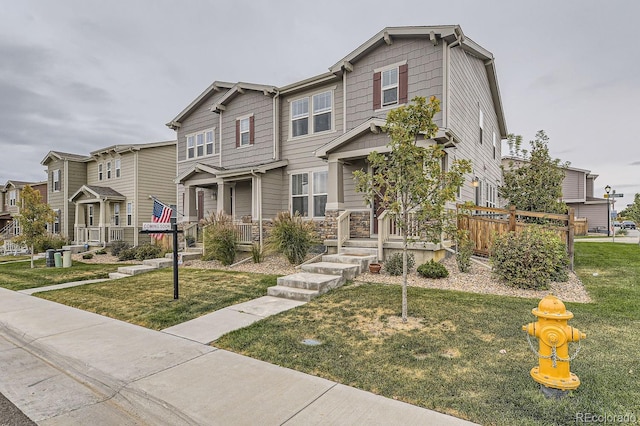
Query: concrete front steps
[320,277]
[149,265]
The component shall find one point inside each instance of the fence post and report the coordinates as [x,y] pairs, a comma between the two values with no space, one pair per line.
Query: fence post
[512,218]
[570,235]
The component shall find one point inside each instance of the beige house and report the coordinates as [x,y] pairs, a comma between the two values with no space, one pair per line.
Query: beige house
[253,150]
[105,196]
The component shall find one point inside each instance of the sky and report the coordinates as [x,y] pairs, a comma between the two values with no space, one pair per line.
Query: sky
[79,75]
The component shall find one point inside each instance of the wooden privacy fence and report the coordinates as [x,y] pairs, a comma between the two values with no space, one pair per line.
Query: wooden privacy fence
[484,223]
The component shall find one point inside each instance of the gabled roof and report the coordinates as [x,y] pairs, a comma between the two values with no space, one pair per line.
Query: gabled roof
[216,86]
[117,149]
[451,34]
[195,169]
[99,192]
[238,89]
[58,155]
[222,173]
[18,184]
[374,124]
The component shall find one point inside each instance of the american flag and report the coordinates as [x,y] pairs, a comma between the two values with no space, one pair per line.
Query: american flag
[161,214]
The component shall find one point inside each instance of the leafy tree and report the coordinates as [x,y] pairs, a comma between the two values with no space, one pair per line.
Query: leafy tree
[33,218]
[410,179]
[533,181]
[633,211]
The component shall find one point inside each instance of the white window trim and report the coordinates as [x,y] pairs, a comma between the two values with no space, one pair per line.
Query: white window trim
[90,215]
[108,169]
[116,214]
[381,70]
[248,132]
[13,197]
[310,194]
[129,214]
[118,168]
[56,221]
[56,179]
[310,115]
[100,171]
[194,135]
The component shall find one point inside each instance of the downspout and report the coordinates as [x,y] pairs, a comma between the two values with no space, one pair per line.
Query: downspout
[220,138]
[344,101]
[259,204]
[276,120]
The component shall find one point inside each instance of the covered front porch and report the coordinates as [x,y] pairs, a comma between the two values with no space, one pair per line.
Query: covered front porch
[99,220]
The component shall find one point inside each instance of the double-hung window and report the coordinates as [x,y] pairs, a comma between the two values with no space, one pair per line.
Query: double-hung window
[191,146]
[90,215]
[209,141]
[481,124]
[56,222]
[116,214]
[312,114]
[244,132]
[12,197]
[55,179]
[494,145]
[309,193]
[390,85]
[108,169]
[200,144]
[129,213]
[100,171]
[118,167]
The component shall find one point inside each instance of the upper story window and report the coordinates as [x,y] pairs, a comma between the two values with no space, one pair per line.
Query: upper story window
[13,196]
[481,124]
[108,169]
[55,180]
[118,167]
[321,114]
[390,85]
[494,145]
[245,131]
[100,171]
[201,144]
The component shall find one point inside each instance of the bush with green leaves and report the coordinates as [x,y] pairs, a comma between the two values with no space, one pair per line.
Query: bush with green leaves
[87,256]
[118,246]
[464,251]
[393,265]
[292,236]
[530,259]
[433,269]
[127,254]
[47,242]
[148,251]
[220,239]
[101,251]
[256,253]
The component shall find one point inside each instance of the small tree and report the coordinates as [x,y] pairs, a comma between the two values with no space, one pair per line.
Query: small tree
[410,179]
[633,211]
[533,182]
[33,218]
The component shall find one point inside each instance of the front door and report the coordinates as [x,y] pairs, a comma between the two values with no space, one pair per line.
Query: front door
[200,205]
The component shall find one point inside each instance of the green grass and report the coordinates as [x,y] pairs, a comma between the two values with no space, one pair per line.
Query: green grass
[20,275]
[147,299]
[450,360]
[11,258]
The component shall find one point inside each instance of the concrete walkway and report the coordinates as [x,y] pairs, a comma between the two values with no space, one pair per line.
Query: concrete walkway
[62,366]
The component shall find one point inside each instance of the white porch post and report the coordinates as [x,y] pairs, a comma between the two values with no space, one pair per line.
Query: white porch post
[190,198]
[101,222]
[335,183]
[76,222]
[221,197]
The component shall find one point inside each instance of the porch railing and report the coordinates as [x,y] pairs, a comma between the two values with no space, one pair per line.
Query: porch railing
[244,232]
[388,229]
[8,231]
[343,227]
[87,235]
[116,234]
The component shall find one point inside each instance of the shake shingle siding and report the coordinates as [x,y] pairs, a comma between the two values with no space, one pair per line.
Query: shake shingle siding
[200,119]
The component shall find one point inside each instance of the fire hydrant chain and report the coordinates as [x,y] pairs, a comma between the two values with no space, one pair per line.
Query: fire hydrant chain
[554,355]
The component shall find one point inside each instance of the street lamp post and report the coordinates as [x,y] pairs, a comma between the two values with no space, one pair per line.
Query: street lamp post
[607,189]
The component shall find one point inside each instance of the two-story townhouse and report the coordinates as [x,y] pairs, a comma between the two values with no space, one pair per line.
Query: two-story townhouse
[10,205]
[296,146]
[577,193]
[106,196]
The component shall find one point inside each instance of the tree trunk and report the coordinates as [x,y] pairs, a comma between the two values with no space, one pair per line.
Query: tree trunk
[32,265]
[404,267]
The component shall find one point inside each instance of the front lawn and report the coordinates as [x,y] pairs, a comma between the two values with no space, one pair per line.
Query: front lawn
[147,299]
[20,275]
[465,354]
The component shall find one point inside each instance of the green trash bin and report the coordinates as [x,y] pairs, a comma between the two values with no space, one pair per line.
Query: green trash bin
[57,256]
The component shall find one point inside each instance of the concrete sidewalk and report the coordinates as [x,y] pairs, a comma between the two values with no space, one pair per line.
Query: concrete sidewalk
[64,366]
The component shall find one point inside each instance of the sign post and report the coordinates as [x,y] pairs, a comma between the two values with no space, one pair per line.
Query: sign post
[167,228]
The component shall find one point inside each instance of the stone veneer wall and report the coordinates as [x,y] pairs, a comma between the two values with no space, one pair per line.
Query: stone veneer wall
[360,224]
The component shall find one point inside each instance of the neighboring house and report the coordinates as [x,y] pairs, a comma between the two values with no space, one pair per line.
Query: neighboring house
[577,193]
[105,196]
[254,150]
[10,205]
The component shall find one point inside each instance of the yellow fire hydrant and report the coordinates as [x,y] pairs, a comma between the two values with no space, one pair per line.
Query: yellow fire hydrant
[554,335]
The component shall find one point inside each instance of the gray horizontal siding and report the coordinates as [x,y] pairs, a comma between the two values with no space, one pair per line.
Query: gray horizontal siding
[242,199]
[274,193]
[573,185]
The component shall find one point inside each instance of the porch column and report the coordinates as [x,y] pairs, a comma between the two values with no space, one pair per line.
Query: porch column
[76,222]
[190,198]
[335,183]
[220,201]
[101,222]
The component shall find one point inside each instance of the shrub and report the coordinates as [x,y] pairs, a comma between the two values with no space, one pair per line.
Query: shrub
[101,251]
[292,236]
[148,251]
[220,239]
[393,265]
[87,256]
[465,251]
[256,253]
[531,259]
[118,246]
[621,232]
[433,269]
[127,254]
[47,242]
